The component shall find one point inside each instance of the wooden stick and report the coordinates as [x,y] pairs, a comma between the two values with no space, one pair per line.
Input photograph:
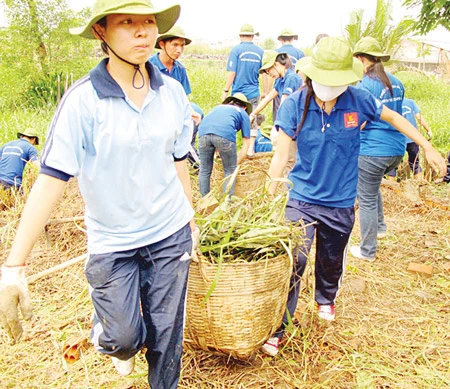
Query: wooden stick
[70,262]
[65,220]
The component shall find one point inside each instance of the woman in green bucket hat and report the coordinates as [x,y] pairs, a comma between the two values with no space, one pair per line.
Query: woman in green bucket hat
[382,147]
[124,132]
[325,119]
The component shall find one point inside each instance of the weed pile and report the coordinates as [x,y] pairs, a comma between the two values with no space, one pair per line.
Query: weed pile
[391,330]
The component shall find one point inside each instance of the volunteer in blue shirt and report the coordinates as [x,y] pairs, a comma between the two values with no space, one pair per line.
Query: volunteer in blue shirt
[15,155]
[411,112]
[277,66]
[325,118]
[243,64]
[171,45]
[217,131]
[382,146]
[124,132]
[263,144]
[287,38]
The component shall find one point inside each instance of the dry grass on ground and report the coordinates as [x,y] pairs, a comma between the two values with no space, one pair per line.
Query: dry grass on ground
[391,330]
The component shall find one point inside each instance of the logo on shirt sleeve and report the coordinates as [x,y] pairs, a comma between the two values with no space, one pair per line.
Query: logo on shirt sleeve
[351,119]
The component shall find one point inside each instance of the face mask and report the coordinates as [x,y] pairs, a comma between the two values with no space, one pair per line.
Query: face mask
[328,93]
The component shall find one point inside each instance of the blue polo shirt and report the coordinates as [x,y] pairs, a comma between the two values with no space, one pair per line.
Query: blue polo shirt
[326,169]
[225,121]
[178,72]
[13,158]
[288,84]
[409,112]
[379,138]
[124,158]
[294,53]
[245,60]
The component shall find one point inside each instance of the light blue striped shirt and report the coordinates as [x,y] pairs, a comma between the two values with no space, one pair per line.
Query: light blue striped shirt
[124,158]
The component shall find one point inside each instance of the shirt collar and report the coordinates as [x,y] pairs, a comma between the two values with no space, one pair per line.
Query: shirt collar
[106,86]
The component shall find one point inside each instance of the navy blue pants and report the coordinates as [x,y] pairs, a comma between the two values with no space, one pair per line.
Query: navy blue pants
[332,228]
[139,297]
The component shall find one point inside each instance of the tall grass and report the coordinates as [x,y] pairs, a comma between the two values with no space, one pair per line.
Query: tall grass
[431,95]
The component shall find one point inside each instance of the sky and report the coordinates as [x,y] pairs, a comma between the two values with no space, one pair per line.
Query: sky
[214,20]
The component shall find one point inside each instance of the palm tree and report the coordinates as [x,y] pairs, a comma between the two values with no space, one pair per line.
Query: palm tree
[380,27]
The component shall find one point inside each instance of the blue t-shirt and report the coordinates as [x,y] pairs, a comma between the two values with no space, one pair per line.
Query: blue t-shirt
[226,120]
[245,60]
[197,109]
[262,144]
[288,84]
[326,169]
[409,112]
[13,158]
[178,72]
[379,138]
[294,53]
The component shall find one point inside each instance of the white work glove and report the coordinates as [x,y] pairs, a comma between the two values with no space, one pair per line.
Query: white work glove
[195,235]
[14,293]
[274,137]
[430,135]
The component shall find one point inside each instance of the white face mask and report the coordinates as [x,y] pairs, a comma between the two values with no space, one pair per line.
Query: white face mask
[328,93]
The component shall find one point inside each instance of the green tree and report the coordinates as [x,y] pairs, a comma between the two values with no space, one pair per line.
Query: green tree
[37,48]
[432,14]
[269,44]
[380,27]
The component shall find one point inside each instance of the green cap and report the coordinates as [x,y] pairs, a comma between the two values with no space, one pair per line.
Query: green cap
[287,33]
[241,98]
[331,64]
[174,32]
[268,60]
[265,129]
[247,29]
[30,133]
[165,18]
[370,46]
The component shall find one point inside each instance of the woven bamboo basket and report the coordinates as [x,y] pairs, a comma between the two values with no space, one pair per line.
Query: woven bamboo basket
[244,309]
[252,174]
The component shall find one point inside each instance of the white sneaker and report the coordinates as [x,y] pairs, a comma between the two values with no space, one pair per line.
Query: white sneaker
[271,346]
[326,312]
[123,367]
[355,251]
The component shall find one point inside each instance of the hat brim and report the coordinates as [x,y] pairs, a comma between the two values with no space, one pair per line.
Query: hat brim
[295,37]
[167,37]
[165,18]
[383,57]
[249,33]
[248,106]
[337,77]
[19,134]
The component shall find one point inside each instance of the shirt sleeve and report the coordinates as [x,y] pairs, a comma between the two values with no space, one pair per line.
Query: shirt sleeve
[33,154]
[287,116]
[183,141]
[245,124]
[232,61]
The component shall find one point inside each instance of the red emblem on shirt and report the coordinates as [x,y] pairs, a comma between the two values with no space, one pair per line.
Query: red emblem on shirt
[351,119]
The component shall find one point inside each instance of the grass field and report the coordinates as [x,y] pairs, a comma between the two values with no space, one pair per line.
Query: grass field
[392,328]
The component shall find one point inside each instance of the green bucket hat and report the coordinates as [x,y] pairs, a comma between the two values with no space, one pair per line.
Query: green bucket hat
[287,33]
[165,18]
[268,60]
[331,64]
[174,32]
[30,133]
[241,98]
[247,29]
[265,129]
[370,46]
